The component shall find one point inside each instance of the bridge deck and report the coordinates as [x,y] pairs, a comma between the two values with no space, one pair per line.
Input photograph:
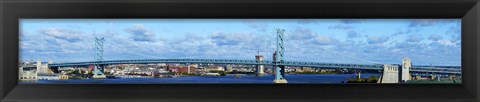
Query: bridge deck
[254,62]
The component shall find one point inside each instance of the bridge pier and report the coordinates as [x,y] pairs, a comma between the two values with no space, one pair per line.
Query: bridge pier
[390,74]
[406,66]
[280,75]
[260,68]
[98,72]
[228,68]
[359,75]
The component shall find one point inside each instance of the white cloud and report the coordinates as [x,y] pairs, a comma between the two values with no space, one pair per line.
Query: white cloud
[64,34]
[353,34]
[455,33]
[302,33]
[341,26]
[225,39]
[325,40]
[423,22]
[140,33]
[262,27]
[435,37]
[414,38]
[351,21]
[306,21]
[446,42]
[377,39]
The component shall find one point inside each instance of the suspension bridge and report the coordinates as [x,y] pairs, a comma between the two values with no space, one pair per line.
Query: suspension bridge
[391,73]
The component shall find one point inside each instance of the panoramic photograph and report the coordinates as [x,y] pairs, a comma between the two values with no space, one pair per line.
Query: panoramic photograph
[240,51]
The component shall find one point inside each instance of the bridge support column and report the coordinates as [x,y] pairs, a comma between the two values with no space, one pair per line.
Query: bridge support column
[260,68]
[390,74]
[280,75]
[98,72]
[229,68]
[359,74]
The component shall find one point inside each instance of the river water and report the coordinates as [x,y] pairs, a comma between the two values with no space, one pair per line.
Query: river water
[229,79]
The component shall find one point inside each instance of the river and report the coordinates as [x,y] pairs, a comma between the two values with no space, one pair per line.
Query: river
[228,79]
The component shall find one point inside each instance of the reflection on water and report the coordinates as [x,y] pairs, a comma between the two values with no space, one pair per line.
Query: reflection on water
[229,79]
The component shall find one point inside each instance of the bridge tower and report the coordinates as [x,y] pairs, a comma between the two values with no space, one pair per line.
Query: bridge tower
[98,69]
[390,74]
[406,66]
[260,68]
[278,59]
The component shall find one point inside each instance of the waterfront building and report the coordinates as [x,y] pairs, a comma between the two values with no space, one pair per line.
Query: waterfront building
[27,74]
[214,68]
[422,78]
[307,69]
[42,76]
[147,73]
[289,69]
[191,68]
[187,69]
[63,77]
[42,67]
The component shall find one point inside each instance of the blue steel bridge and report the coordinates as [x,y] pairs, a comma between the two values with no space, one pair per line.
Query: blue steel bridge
[426,69]
[277,62]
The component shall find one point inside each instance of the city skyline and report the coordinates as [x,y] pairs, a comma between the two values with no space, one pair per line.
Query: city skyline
[425,41]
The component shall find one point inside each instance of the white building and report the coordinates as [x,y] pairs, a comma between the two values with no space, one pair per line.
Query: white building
[42,68]
[27,75]
[215,68]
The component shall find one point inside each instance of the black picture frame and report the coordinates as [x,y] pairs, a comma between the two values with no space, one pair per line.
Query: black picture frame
[13,10]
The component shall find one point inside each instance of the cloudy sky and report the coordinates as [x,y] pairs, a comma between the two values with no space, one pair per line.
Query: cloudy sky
[363,41]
